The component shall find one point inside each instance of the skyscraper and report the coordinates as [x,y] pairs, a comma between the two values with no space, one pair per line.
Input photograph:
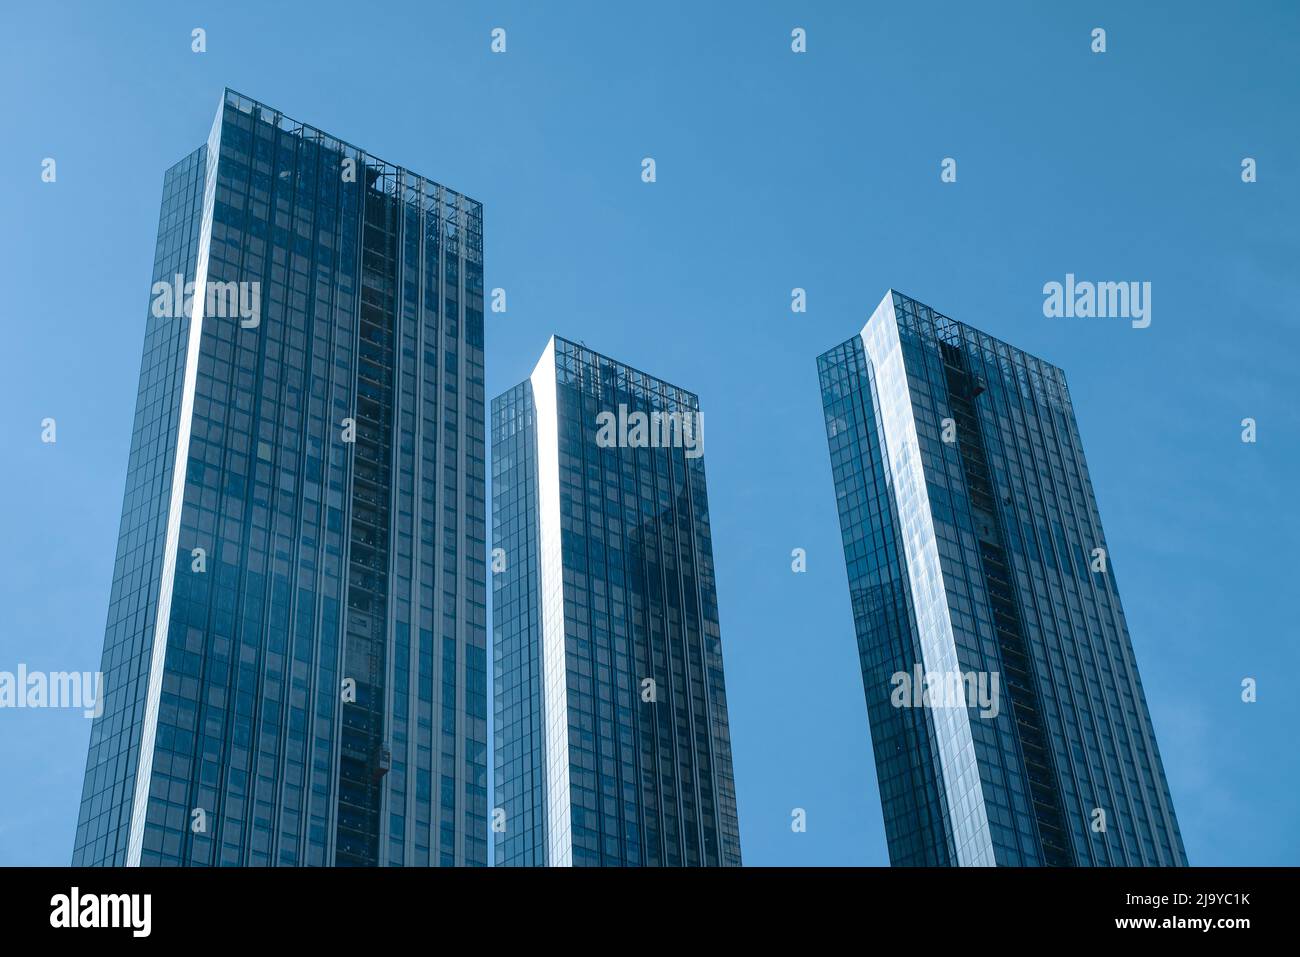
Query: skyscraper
[295,656]
[611,735]
[1007,717]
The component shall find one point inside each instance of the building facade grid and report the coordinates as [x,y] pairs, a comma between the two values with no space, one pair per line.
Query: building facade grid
[1068,770]
[330,527]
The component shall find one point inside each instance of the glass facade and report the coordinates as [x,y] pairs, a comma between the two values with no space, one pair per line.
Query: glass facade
[295,658]
[611,734]
[974,549]
[133,602]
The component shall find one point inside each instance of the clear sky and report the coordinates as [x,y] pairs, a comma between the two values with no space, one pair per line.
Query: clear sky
[774,170]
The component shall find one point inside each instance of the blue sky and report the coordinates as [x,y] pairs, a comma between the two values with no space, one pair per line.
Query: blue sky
[774,170]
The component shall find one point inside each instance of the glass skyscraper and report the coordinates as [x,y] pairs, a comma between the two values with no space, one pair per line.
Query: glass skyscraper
[295,656]
[611,736]
[977,562]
